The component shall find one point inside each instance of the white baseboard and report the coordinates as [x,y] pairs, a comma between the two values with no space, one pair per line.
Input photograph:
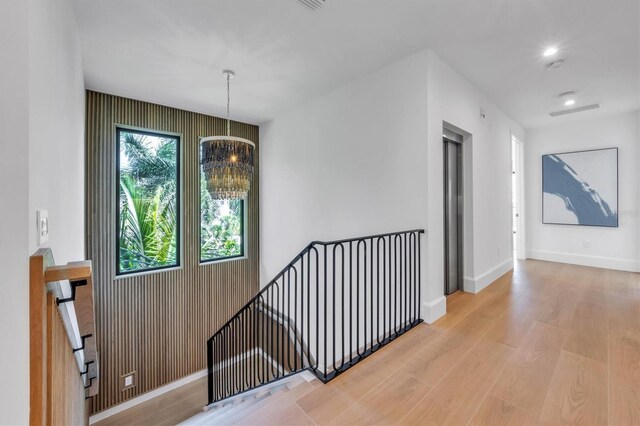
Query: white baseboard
[478,283]
[171,386]
[435,309]
[630,265]
[468,284]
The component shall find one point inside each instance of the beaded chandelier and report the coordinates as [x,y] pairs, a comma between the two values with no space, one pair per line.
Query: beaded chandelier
[227,161]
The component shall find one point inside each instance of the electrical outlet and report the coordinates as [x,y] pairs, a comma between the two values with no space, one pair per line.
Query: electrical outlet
[42,217]
[127,381]
[586,244]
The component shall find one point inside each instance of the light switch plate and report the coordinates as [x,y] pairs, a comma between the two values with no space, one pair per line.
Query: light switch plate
[42,217]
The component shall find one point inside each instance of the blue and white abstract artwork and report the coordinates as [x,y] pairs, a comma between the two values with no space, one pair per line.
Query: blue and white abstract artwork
[580,188]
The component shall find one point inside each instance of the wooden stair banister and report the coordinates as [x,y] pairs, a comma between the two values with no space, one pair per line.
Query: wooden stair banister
[64,364]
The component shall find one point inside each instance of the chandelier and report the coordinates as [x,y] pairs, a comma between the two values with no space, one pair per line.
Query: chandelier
[227,161]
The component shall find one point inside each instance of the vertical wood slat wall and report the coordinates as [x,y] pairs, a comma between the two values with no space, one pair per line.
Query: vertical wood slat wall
[158,324]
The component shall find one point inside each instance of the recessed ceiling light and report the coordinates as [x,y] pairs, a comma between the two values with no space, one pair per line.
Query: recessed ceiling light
[568,98]
[550,51]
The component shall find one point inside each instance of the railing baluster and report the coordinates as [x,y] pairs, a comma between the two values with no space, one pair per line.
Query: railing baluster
[238,358]
[295,319]
[419,278]
[226,362]
[223,364]
[410,280]
[309,311]
[371,339]
[234,371]
[388,291]
[282,314]
[218,365]
[342,332]
[395,285]
[280,328]
[317,311]
[302,340]
[270,337]
[263,348]
[245,350]
[250,377]
[364,299]
[333,310]
[357,301]
[405,282]
[378,290]
[350,303]
[236,344]
[210,371]
[326,360]
[415,315]
[275,369]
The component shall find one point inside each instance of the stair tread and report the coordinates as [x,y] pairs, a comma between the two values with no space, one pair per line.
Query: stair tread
[212,416]
[282,398]
[242,409]
[282,392]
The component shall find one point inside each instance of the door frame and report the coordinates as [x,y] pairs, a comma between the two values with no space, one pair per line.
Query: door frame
[517,184]
[454,138]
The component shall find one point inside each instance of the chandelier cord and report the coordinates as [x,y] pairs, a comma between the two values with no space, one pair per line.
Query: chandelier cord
[228,101]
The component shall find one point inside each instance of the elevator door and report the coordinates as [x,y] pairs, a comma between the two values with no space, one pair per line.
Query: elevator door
[453,215]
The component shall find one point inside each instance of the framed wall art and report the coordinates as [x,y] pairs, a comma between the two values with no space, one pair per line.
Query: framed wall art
[580,188]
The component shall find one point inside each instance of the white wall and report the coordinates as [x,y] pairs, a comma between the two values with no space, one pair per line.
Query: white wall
[617,248]
[367,158]
[41,166]
[56,128]
[488,247]
[328,167]
[14,184]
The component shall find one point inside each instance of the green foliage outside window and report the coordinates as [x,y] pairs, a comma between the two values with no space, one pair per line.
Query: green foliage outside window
[148,201]
[149,214]
[221,232]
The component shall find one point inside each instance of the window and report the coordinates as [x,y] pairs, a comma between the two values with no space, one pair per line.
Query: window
[221,226]
[148,214]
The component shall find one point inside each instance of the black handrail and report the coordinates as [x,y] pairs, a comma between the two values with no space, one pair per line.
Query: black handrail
[307,318]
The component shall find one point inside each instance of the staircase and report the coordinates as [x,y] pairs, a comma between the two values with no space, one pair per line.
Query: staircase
[333,305]
[241,408]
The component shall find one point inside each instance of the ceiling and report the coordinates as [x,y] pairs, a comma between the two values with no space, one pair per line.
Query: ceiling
[172,52]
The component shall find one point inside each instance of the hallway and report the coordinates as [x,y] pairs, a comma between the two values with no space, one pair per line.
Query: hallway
[549,343]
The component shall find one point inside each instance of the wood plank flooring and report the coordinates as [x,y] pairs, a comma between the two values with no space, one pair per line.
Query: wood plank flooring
[549,343]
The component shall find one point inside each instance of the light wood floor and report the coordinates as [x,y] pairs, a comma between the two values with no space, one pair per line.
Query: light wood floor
[547,344]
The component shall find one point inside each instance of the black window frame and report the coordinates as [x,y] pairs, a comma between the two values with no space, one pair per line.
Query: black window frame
[242,231]
[148,132]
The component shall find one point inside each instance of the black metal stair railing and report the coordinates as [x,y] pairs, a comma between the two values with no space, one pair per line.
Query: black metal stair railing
[333,305]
